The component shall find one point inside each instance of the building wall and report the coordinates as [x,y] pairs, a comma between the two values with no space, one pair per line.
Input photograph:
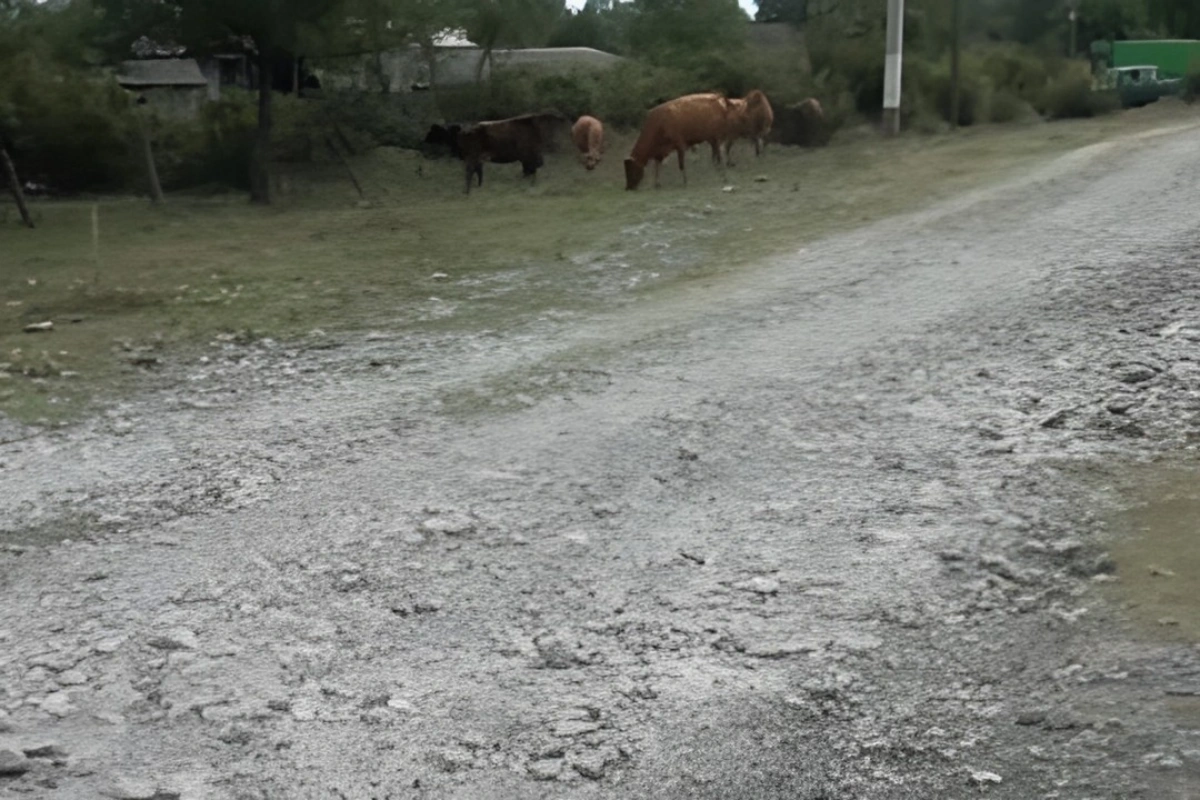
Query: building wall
[403,68]
[182,102]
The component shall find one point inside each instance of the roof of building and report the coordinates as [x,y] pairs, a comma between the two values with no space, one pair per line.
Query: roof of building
[161,72]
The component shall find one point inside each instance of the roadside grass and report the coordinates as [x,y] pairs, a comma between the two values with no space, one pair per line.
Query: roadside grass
[166,278]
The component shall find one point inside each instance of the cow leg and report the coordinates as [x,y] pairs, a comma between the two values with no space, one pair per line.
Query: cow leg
[682,169]
[729,152]
[657,170]
[479,174]
[470,170]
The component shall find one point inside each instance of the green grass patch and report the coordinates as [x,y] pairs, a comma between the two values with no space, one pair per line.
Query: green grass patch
[164,279]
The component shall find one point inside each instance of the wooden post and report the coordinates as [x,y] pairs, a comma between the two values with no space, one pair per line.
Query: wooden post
[156,192]
[95,244]
[349,170]
[260,166]
[14,186]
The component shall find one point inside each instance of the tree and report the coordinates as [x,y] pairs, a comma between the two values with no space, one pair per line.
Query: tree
[272,28]
[510,23]
[1177,17]
[600,24]
[685,31]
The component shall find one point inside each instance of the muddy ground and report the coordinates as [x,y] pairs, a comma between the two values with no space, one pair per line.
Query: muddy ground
[834,528]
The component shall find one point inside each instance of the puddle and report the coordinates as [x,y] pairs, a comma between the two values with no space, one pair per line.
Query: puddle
[1158,556]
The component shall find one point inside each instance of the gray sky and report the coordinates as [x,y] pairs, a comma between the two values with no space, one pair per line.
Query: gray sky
[749,5]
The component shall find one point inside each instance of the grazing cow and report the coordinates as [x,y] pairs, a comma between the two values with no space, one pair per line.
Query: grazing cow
[675,126]
[518,139]
[750,117]
[444,138]
[804,124]
[588,135]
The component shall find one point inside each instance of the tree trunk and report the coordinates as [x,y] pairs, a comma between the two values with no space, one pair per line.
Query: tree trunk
[156,192]
[15,186]
[429,52]
[260,162]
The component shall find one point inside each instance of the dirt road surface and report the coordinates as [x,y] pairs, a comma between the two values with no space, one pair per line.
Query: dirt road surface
[833,527]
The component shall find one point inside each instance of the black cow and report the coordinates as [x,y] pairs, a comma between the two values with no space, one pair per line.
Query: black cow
[522,139]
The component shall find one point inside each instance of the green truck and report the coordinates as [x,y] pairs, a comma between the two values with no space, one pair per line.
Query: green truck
[1143,70]
[1175,58]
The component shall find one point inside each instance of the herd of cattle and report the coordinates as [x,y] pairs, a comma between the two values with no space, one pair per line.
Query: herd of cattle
[675,126]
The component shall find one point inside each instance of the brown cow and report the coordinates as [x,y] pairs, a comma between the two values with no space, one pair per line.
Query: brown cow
[675,126]
[518,139]
[750,117]
[588,135]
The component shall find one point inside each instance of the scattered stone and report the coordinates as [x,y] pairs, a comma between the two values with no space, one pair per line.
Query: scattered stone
[759,585]
[592,763]
[1102,564]
[453,759]
[983,777]
[1135,373]
[400,704]
[545,769]
[1067,671]
[574,727]
[39,327]
[782,649]
[559,651]
[177,639]
[45,750]
[1001,566]
[1183,691]
[350,582]
[761,179]
[57,704]
[439,276]
[72,677]
[1032,717]
[1120,405]
[1056,419]
[729,189]
[952,555]
[110,645]
[1161,572]
[1167,621]
[128,788]
[454,524]
[13,763]
[1066,547]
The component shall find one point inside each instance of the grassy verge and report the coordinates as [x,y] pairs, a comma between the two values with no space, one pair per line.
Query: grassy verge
[165,278]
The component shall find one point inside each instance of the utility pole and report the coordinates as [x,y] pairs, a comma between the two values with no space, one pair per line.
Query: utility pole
[955,36]
[891,67]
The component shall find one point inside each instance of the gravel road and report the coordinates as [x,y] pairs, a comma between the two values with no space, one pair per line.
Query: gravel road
[833,527]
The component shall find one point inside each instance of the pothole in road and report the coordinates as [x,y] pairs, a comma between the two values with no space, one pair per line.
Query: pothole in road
[1158,556]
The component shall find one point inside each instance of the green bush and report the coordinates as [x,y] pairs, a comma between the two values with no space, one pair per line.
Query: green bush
[1191,86]
[1070,94]
[1009,107]
[66,129]
[214,148]
[1014,70]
